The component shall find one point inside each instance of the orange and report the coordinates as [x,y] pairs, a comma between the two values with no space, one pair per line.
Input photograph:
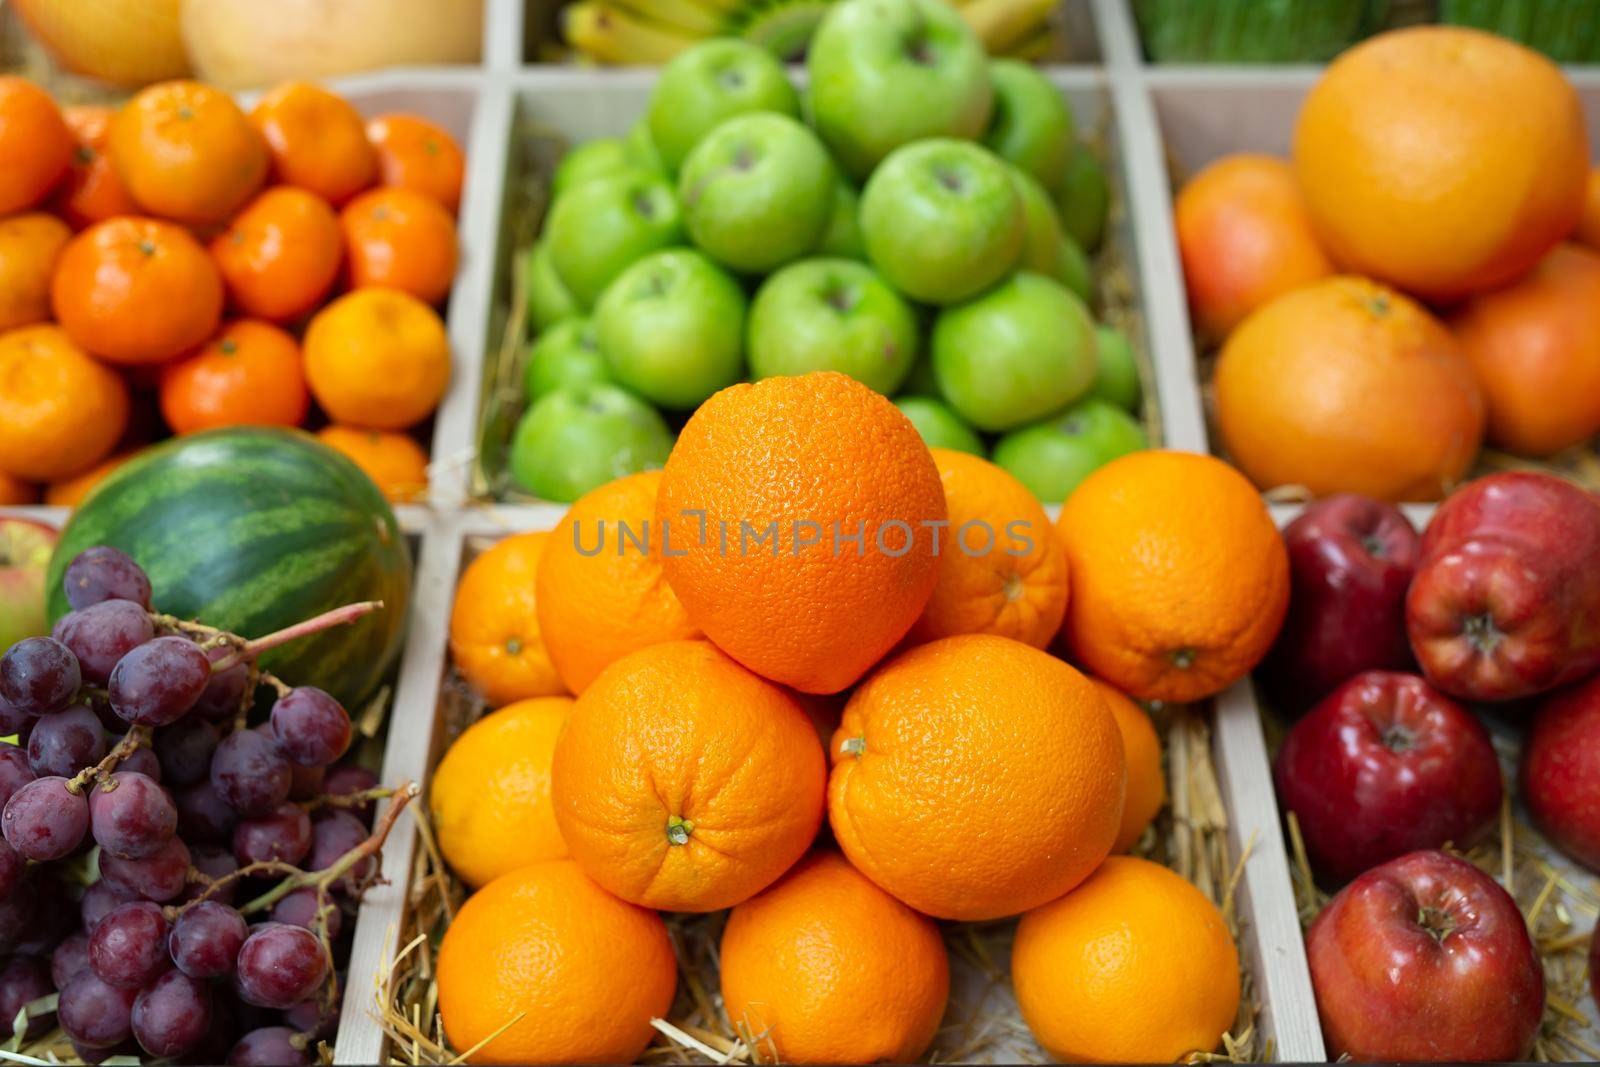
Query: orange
[1536,347]
[91,191]
[842,487]
[281,254]
[1589,224]
[72,491]
[976,777]
[247,375]
[1141,750]
[15,491]
[317,141]
[394,461]
[136,291]
[684,782]
[1441,160]
[1001,569]
[34,142]
[825,967]
[1179,576]
[185,151]
[1133,966]
[577,973]
[400,239]
[29,247]
[415,154]
[1244,238]
[1346,386]
[377,358]
[600,590]
[494,623]
[60,411]
[490,796]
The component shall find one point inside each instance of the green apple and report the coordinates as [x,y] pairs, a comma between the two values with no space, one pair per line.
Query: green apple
[1083,198]
[598,229]
[549,299]
[1051,457]
[582,436]
[588,161]
[941,219]
[842,235]
[939,426]
[1116,378]
[568,353]
[832,314]
[1023,350]
[1041,244]
[1032,125]
[885,73]
[921,381]
[1073,269]
[672,328]
[713,81]
[641,148]
[757,192]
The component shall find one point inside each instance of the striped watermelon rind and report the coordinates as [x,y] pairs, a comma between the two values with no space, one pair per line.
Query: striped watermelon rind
[251,530]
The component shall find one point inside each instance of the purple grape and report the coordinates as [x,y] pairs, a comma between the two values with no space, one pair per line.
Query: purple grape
[44,820]
[311,727]
[95,1056]
[220,1035]
[65,743]
[348,780]
[185,750]
[171,1015]
[306,782]
[215,862]
[14,720]
[333,834]
[23,980]
[203,816]
[141,761]
[129,946]
[101,634]
[98,900]
[270,1046]
[300,908]
[279,966]
[105,573]
[14,771]
[159,681]
[12,869]
[224,694]
[39,675]
[55,914]
[206,939]
[69,959]
[308,1017]
[95,1014]
[130,815]
[158,877]
[96,702]
[250,773]
[284,834]
[17,911]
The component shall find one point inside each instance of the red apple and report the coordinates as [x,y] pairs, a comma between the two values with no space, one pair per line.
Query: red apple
[1384,766]
[1561,771]
[1350,561]
[25,548]
[1506,601]
[1425,958]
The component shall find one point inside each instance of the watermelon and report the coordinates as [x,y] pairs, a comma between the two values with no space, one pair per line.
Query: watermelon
[253,529]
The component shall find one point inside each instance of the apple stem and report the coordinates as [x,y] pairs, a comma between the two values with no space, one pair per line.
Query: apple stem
[1481,631]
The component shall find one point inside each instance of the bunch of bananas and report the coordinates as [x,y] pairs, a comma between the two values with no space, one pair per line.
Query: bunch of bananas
[653,31]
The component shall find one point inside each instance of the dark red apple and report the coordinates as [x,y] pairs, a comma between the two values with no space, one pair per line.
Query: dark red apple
[1506,601]
[1385,765]
[1425,958]
[1561,771]
[1351,559]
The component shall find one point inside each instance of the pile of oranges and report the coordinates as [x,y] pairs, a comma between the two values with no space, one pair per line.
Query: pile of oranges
[179,261]
[756,682]
[1423,276]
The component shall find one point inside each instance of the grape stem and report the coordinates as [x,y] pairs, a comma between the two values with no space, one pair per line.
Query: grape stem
[132,740]
[250,650]
[347,800]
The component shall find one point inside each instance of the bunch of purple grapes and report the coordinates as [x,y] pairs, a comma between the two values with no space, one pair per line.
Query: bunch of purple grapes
[221,857]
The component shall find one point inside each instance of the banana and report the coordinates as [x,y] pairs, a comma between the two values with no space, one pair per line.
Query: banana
[679,16]
[611,35]
[1002,24]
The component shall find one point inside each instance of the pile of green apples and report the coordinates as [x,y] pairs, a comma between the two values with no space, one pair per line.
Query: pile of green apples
[916,218]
